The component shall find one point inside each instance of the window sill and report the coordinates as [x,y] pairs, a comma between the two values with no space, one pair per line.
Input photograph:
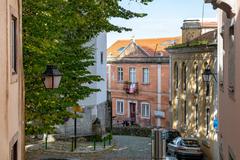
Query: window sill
[120,114]
[145,83]
[120,82]
[145,117]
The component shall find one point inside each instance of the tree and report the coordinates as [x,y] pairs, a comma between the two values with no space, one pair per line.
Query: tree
[54,32]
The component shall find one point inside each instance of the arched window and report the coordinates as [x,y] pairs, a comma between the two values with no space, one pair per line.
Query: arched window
[184,76]
[185,113]
[207,85]
[196,117]
[196,79]
[176,76]
[207,120]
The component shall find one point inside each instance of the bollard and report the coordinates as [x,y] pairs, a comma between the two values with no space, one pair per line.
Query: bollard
[94,144]
[72,145]
[46,141]
[109,140]
[158,144]
[104,142]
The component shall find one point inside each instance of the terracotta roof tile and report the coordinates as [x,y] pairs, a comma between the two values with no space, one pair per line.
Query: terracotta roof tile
[209,36]
[153,46]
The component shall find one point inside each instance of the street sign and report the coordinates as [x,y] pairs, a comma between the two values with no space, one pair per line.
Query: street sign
[78,109]
[160,114]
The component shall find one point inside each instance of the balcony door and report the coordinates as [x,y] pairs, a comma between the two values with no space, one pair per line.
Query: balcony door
[132,75]
[132,108]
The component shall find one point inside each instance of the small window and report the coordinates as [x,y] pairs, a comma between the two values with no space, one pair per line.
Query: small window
[207,121]
[145,110]
[121,49]
[120,107]
[14,45]
[120,74]
[132,75]
[101,57]
[14,153]
[145,75]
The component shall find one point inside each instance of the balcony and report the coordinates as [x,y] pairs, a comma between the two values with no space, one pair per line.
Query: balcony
[130,87]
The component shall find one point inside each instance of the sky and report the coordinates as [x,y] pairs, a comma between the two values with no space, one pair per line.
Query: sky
[164,19]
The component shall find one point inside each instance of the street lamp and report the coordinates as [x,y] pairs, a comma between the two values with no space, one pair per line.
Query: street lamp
[206,75]
[51,77]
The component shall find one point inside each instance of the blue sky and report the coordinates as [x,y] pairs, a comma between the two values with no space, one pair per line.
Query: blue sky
[164,18]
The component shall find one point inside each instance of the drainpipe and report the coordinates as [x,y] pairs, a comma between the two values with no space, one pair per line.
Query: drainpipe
[159,82]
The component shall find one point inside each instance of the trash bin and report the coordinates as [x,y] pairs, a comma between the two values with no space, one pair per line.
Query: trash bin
[158,144]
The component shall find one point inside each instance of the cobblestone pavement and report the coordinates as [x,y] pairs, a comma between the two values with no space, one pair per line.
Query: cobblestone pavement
[127,148]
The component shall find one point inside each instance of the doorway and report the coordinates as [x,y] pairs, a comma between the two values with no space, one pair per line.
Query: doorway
[132,108]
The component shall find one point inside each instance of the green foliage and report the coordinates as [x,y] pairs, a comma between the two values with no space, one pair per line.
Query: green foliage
[54,32]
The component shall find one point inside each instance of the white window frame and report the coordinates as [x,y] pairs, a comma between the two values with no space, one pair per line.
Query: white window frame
[132,75]
[145,77]
[149,114]
[119,113]
[120,78]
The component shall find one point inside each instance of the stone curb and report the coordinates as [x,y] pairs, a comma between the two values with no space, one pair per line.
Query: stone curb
[74,153]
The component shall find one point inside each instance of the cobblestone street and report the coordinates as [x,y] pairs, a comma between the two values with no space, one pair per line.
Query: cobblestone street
[127,148]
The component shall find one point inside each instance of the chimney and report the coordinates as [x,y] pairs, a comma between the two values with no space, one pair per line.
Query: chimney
[191,29]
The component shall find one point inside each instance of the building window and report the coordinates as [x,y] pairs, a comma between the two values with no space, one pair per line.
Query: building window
[14,153]
[120,107]
[196,79]
[176,76]
[145,75]
[132,75]
[196,117]
[145,109]
[184,74]
[207,84]
[101,57]
[231,59]
[120,74]
[14,45]
[207,121]
[185,113]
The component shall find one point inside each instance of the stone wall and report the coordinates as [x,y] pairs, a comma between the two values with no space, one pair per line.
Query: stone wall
[84,124]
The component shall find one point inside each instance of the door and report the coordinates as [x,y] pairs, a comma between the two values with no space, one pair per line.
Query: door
[133,112]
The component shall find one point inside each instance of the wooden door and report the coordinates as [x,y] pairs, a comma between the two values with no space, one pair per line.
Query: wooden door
[133,112]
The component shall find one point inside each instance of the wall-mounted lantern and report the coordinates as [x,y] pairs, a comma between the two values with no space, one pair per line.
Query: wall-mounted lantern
[51,77]
[206,75]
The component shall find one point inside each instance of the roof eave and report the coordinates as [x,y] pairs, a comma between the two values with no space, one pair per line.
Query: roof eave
[221,4]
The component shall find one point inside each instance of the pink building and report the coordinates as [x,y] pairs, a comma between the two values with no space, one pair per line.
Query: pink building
[11,92]
[229,77]
[138,80]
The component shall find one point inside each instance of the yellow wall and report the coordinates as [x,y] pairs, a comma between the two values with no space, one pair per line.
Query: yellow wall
[192,60]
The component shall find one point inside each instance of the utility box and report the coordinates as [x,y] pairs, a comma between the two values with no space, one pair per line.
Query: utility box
[158,144]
